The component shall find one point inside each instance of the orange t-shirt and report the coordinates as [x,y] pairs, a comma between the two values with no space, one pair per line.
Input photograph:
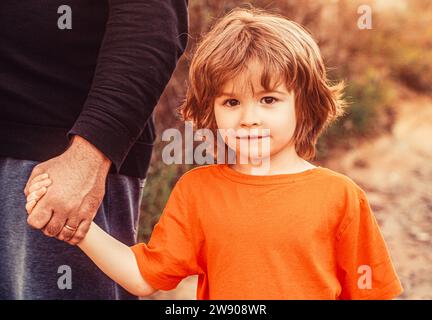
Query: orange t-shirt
[306,235]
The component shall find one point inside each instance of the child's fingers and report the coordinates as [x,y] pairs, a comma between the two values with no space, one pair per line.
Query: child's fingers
[36,195]
[40,184]
[39,178]
[33,180]
[30,205]
[33,198]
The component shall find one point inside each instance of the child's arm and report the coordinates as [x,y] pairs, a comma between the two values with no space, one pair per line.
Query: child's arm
[113,257]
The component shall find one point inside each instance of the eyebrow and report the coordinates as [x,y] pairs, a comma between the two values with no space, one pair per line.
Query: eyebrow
[229,94]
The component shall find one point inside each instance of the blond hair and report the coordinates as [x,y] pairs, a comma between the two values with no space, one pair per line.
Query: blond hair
[285,50]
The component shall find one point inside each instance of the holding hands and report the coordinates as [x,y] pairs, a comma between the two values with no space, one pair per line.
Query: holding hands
[65,192]
[36,190]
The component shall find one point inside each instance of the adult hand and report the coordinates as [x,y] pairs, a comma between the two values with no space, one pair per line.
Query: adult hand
[77,190]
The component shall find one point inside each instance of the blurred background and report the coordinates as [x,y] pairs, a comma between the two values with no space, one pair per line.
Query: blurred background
[384,143]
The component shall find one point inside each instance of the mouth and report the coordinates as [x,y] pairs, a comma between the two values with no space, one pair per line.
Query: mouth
[252,137]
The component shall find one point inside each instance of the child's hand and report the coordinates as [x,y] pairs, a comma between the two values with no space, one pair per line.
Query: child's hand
[37,189]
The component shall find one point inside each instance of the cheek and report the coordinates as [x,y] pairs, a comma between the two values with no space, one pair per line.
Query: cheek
[225,119]
[283,124]
[218,118]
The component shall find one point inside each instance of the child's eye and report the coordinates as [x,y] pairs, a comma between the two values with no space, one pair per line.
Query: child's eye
[229,101]
[269,100]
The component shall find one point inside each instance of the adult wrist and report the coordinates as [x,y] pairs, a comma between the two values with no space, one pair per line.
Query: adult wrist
[85,150]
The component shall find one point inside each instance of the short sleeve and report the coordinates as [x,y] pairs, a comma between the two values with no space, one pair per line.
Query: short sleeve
[365,269]
[172,251]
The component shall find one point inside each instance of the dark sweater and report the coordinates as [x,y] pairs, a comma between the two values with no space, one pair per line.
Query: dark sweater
[100,80]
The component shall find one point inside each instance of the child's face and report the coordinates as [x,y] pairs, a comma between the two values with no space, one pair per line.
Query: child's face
[242,109]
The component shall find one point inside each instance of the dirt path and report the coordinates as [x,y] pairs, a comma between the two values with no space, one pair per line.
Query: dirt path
[396,172]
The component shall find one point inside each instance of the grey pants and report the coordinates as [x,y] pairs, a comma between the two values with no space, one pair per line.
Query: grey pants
[33,266]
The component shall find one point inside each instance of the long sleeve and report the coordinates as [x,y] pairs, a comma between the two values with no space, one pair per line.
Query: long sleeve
[142,43]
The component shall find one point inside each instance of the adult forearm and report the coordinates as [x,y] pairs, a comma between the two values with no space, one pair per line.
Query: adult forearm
[116,260]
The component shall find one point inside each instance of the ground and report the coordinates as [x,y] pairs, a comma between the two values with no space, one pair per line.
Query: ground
[395,171]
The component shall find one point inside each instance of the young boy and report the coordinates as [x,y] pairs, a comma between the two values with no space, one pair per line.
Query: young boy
[291,231]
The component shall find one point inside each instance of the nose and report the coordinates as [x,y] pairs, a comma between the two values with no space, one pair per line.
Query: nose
[250,117]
